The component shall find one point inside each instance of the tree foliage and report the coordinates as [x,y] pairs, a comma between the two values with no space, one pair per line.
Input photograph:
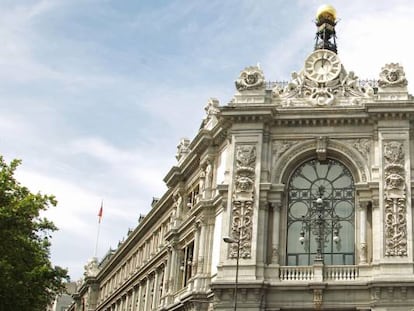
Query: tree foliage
[28,281]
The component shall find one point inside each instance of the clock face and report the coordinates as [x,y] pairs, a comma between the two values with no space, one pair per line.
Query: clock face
[322,66]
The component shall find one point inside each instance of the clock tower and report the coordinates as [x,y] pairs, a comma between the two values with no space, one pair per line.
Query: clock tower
[323,65]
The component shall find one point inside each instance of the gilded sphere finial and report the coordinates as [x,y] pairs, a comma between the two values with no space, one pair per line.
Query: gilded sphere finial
[326,11]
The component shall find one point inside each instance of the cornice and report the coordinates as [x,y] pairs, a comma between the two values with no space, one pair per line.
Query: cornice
[137,234]
[320,116]
[203,140]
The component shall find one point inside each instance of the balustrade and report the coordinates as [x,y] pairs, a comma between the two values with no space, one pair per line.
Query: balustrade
[296,273]
[340,273]
[331,273]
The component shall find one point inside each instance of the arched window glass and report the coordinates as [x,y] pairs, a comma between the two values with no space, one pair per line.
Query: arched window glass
[321,214]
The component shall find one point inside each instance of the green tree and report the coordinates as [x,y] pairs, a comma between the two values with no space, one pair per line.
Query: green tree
[28,281]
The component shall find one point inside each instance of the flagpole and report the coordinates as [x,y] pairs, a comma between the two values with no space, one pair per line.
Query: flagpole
[99,230]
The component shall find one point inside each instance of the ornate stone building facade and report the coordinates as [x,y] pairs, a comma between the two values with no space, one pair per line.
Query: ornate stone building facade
[310,181]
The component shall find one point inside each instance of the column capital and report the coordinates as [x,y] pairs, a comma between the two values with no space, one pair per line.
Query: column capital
[276,205]
[363,204]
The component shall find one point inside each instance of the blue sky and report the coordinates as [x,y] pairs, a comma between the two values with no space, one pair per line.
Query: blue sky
[96,94]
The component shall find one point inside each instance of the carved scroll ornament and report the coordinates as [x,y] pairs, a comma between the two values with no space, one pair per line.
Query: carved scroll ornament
[251,78]
[243,196]
[392,75]
[311,93]
[395,204]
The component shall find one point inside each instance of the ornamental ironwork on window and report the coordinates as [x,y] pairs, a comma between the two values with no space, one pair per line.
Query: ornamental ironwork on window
[321,214]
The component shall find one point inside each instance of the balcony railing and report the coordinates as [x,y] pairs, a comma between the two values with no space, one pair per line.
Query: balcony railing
[296,273]
[330,273]
[341,273]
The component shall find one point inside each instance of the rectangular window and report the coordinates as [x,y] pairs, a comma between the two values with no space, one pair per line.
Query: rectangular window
[186,266]
[193,196]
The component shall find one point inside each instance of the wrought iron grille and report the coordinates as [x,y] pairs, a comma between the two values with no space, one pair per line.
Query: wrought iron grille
[321,214]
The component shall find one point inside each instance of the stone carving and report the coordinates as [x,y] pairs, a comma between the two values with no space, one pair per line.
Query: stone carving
[91,268]
[394,170]
[321,148]
[242,228]
[251,78]
[245,171]
[295,149]
[243,196]
[182,148]
[302,91]
[175,217]
[395,199]
[280,147]
[178,200]
[376,293]
[202,182]
[363,146]
[296,82]
[392,75]
[322,97]
[212,110]
[335,144]
[206,179]
[209,174]
[317,298]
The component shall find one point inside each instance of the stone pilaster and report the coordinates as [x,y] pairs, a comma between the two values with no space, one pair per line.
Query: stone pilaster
[395,196]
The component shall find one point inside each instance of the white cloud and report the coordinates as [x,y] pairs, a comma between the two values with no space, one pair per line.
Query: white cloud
[75,202]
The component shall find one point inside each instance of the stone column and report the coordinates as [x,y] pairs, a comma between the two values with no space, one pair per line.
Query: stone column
[172,273]
[140,303]
[155,292]
[201,248]
[196,252]
[363,232]
[208,241]
[126,302]
[164,285]
[276,232]
[266,162]
[133,298]
[147,294]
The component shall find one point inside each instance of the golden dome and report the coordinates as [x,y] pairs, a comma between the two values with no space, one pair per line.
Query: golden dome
[327,11]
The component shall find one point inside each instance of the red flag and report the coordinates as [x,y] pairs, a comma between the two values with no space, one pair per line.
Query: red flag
[100,213]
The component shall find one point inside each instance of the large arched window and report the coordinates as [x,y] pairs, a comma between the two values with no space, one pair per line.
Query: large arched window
[321,214]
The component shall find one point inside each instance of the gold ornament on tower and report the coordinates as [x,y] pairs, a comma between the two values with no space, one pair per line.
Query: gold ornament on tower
[326,11]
